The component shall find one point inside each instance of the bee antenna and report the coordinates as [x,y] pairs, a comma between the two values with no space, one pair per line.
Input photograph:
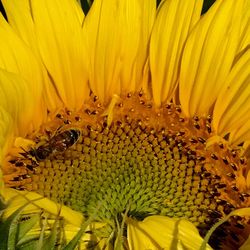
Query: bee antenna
[29,153]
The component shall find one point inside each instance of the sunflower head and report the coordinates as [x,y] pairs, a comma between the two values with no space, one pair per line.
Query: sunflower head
[127,128]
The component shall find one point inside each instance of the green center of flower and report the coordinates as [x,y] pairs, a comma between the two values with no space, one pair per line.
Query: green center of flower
[148,161]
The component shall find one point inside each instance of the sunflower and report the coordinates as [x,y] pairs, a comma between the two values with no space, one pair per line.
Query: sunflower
[127,128]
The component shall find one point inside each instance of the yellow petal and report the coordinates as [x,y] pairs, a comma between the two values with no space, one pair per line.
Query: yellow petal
[245,28]
[6,133]
[36,203]
[232,108]
[6,136]
[20,19]
[161,232]
[147,20]
[116,37]
[208,56]
[174,21]
[16,57]
[241,134]
[17,199]
[17,98]
[58,28]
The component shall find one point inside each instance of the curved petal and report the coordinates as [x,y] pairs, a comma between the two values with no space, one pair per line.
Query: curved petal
[19,17]
[6,134]
[46,215]
[18,100]
[117,43]
[161,232]
[208,56]
[17,58]
[141,68]
[174,21]
[245,28]
[232,108]
[58,29]
[17,199]
[241,134]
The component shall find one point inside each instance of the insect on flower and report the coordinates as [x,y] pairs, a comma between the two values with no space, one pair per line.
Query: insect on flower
[58,143]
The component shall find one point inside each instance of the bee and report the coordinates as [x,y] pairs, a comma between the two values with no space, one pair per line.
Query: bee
[58,143]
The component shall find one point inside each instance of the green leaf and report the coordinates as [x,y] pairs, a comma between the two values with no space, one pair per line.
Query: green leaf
[50,242]
[26,225]
[73,243]
[31,245]
[8,229]
[26,240]
[40,242]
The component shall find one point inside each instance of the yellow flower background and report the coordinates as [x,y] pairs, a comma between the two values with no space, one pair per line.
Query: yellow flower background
[168,66]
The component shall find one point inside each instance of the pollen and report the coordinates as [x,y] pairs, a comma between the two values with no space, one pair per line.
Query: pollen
[137,159]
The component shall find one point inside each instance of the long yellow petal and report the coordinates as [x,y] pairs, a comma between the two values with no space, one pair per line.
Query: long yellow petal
[17,199]
[16,57]
[174,21]
[116,37]
[241,134]
[245,28]
[208,56]
[18,100]
[147,20]
[161,232]
[232,108]
[19,17]
[58,28]
[6,134]
[37,204]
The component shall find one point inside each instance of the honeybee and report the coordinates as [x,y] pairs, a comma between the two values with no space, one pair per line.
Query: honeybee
[58,143]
